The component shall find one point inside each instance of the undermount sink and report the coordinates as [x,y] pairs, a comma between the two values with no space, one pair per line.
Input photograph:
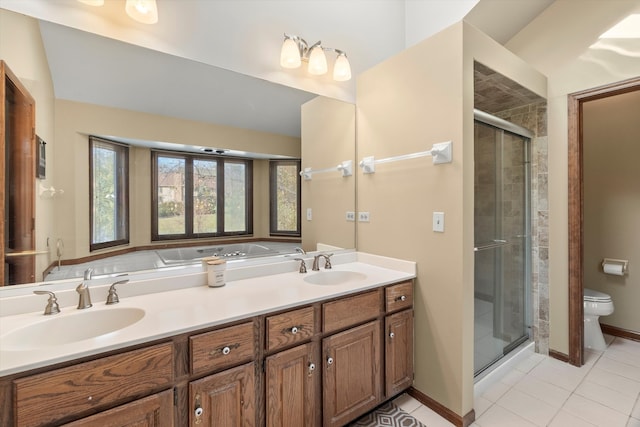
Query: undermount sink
[335,277]
[54,331]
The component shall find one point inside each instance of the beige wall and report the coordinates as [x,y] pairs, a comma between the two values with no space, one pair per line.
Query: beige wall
[611,136]
[75,121]
[28,62]
[328,139]
[422,96]
[570,67]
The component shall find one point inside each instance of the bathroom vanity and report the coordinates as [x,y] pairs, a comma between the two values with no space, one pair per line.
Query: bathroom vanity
[271,350]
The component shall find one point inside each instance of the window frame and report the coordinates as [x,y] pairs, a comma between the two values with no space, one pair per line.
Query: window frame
[273,208]
[123,194]
[188,203]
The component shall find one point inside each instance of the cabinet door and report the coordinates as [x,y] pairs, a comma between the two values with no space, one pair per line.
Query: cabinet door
[293,387]
[152,411]
[352,375]
[226,399]
[398,352]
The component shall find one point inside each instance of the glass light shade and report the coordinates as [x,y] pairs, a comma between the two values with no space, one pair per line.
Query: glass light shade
[144,11]
[317,61]
[290,54]
[92,2]
[342,69]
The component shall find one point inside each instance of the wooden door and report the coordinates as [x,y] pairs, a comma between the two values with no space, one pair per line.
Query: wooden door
[17,180]
[153,411]
[293,387]
[352,374]
[398,352]
[226,399]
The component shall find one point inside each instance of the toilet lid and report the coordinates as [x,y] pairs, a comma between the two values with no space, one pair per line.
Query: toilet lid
[595,296]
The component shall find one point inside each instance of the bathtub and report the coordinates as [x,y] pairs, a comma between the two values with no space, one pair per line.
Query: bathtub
[172,257]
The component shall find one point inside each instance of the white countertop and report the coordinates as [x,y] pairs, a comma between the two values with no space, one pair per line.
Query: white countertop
[250,292]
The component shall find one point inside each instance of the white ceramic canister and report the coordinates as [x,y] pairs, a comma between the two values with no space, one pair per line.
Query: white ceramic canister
[215,268]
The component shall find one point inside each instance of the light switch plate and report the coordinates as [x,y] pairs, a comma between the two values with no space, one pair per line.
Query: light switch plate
[309,214]
[351,216]
[438,222]
[363,216]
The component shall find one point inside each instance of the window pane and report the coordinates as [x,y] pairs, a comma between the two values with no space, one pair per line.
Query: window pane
[204,196]
[287,197]
[235,197]
[109,194]
[171,192]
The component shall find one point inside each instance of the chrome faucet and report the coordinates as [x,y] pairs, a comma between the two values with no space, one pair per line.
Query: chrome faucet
[113,298]
[327,262]
[83,290]
[300,250]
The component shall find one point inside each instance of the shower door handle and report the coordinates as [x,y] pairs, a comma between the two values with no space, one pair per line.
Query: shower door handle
[497,243]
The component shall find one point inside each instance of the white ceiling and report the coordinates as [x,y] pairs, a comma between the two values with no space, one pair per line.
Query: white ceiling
[218,60]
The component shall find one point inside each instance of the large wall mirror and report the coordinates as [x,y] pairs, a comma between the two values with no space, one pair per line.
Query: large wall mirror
[101,87]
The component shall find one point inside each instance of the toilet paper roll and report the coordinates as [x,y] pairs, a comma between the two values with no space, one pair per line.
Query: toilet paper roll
[615,269]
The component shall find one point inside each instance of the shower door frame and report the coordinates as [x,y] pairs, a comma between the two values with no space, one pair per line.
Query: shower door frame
[576,212]
[521,132]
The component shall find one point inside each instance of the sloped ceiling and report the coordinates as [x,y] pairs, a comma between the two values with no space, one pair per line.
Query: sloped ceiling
[217,61]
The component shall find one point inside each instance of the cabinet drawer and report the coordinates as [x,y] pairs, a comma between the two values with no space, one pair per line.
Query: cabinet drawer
[399,296]
[289,328]
[222,348]
[64,393]
[350,311]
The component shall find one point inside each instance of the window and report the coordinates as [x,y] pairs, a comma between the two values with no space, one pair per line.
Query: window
[284,197]
[200,196]
[109,193]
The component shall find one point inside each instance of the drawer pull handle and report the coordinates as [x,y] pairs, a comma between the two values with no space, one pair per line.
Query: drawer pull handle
[392,335]
[223,350]
[329,361]
[312,367]
[294,330]
[401,298]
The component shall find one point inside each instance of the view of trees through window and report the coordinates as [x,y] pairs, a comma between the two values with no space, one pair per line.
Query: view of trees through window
[285,197]
[189,193]
[109,194]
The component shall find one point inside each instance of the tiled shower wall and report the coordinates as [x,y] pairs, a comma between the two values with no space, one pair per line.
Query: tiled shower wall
[534,118]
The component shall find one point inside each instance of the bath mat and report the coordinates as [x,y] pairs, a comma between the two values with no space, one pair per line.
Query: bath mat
[387,415]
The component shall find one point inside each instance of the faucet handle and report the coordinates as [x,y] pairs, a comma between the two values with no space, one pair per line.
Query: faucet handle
[52,304]
[303,266]
[327,261]
[113,298]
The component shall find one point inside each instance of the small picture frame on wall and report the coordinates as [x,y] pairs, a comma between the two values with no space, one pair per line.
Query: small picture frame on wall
[41,158]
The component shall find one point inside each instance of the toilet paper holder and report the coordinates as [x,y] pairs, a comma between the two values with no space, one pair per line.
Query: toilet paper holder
[622,262]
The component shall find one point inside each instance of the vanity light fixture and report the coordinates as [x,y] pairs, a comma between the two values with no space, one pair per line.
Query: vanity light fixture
[295,50]
[144,11]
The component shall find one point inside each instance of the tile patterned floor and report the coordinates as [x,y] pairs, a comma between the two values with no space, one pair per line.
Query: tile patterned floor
[542,391]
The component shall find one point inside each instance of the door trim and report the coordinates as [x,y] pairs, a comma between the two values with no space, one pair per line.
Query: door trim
[575,200]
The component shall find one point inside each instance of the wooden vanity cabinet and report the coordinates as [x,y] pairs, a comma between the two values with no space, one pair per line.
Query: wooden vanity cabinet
[226,399]
[152,411]
[292,380]
[352,383]
[398,338]
[323,364]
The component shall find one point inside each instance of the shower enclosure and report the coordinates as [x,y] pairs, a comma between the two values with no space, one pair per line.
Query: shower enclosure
[502,239]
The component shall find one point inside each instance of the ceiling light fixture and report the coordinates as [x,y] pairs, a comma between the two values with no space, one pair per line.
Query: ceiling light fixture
[295,50]
[144,11]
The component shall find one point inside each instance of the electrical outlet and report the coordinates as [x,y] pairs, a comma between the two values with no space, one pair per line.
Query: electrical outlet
[438,222]
[309,214]
[363,216]
[351,216]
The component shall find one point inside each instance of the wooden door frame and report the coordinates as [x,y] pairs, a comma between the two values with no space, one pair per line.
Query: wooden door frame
[576,207]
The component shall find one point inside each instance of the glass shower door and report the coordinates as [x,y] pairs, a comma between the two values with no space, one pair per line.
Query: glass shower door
[502,243]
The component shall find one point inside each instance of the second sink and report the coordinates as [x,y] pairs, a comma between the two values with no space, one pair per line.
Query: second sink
[54,331]
[334,277]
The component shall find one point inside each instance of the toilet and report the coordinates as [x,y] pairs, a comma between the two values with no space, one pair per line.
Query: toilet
[596,304]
